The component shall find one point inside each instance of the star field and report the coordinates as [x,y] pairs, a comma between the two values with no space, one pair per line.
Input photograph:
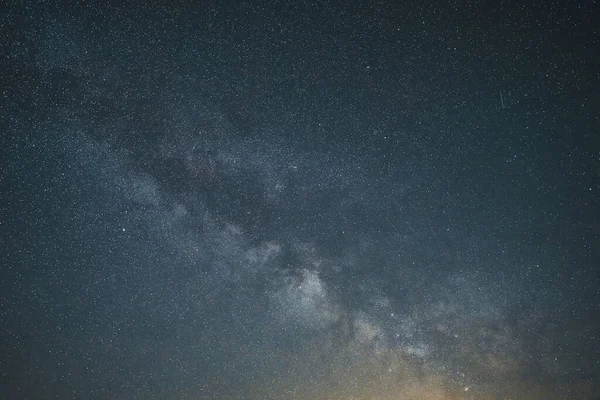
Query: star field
[299,200]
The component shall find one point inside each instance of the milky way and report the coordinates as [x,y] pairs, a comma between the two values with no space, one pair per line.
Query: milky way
[321,202]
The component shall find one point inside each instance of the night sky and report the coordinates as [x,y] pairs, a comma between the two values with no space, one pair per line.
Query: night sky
[299,200]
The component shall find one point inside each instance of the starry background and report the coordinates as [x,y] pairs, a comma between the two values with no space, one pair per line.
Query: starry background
[299,200]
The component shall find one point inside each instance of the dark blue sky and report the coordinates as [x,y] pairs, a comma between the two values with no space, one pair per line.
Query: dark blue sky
[299,200]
